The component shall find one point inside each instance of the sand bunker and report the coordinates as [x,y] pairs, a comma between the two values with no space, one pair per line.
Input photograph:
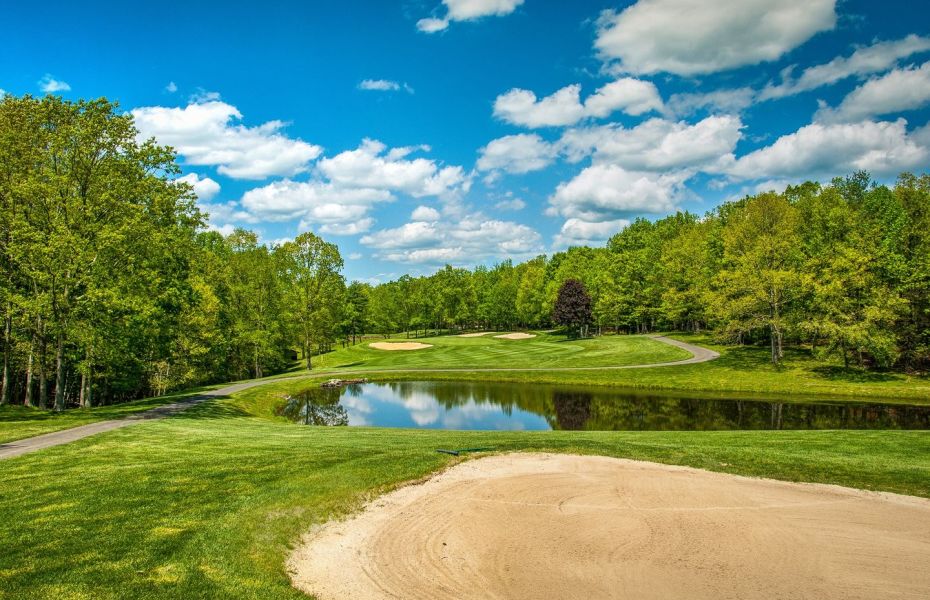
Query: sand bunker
[478,334]
[556,526]
[516,336]
[399,345]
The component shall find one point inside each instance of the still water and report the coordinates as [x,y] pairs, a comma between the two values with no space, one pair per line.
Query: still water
[508,406]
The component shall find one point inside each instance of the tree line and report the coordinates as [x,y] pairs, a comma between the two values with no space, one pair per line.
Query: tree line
[843,267]
[112,289]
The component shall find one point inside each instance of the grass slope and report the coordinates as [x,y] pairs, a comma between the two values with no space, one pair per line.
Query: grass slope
[207,504]
[545,350]
[740,370]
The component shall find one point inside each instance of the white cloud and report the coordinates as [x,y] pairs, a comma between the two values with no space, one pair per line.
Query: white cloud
[431,25]
[467,10]
[468,239]
[425,213]
[369,166]
[204,187]
[313,201]
[819,151]
[576,232]
[224,230]
[691,37]
[609,192]
[564,107]
[383,85]
[520,153]
[731,101]
[632,96]
[656,144]
[897,91]
[204,134]
[171,88]
[355,255]
[509,202]
[867,60]
[50,85]
[352,228]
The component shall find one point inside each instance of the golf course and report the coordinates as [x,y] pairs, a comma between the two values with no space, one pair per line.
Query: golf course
[211,501]
[465,300]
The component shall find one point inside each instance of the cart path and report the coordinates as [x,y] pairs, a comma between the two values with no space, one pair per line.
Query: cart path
[57,438]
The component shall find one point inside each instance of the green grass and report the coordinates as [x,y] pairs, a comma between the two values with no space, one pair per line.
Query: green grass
[740,370]
[207,504]
[18,422]
[546,350]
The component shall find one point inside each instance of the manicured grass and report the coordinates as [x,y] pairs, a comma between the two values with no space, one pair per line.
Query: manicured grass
[19,422]
[739,371]
[207,504]
[545,350]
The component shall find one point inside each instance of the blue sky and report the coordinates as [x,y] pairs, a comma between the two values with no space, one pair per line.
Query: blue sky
[467,131]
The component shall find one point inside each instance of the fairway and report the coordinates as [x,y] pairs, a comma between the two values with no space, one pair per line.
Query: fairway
[545,350]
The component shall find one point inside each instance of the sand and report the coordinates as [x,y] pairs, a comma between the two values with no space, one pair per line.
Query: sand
[398,346]
[533,526]
[477,334]
[516,336]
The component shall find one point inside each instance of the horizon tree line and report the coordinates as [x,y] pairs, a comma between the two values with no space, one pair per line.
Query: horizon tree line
[112,289]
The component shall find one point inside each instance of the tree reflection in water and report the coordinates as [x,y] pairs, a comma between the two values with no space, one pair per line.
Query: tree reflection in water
[572,409]
[317,407]
[488,405]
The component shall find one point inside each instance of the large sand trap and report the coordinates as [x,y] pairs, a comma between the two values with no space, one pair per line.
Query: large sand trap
[516,336]
[555,526]
[399,345]
[477,334]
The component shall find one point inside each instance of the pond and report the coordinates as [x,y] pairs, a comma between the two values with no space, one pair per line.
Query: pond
[509,406]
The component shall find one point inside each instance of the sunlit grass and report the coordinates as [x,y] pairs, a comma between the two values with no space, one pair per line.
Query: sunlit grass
[208,503]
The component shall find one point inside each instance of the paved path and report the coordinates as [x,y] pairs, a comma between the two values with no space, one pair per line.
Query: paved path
[57,438]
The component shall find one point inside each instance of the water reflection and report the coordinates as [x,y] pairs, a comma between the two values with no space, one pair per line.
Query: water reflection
[462,405]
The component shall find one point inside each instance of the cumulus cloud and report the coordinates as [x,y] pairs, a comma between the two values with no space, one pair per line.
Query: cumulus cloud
[370,166]
[730,101]
[896,91]
[867,60]
[820,150]
[576,232]
[425,213]
[171,88]
[49,85]
[468,239]
[204,187]
[346,187]
[510,202]
[467,10]
[313,201]
[608,191]
[205,133]
[383,85]
[564,107]
[656,144]
[520,153]
[693,37]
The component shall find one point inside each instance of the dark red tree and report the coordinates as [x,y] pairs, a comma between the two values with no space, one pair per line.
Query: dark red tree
[573,307]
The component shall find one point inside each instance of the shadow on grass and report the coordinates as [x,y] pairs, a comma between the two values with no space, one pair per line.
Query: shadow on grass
[836,373]
[214,408]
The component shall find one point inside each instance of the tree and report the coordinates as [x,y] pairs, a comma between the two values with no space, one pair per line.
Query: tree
[572,307]
[313,269]
[760,281]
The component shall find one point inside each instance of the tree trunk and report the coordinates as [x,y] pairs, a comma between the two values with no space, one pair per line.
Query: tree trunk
[60,374]
[29,400]
[5,393]
[82,398]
